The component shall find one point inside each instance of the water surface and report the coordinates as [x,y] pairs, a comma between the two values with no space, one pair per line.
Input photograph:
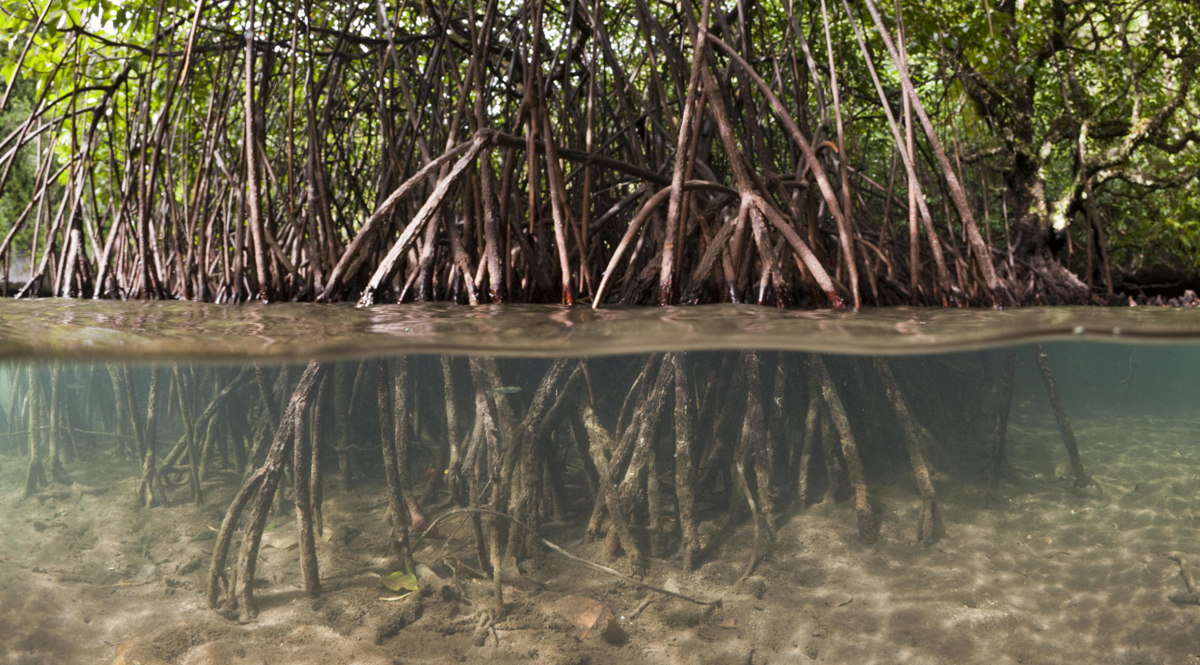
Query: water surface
[51,328]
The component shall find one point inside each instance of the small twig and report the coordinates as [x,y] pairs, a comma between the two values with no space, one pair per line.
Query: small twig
[1191,597]
[641,607]
[447,543]
[556,548]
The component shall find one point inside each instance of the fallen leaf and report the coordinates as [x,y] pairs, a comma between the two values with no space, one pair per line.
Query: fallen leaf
[592,617]
[398,580]
[423,525]
[729,622]
[612,633]
[838,599]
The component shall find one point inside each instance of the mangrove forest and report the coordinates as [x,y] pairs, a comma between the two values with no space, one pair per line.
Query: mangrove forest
[782,152]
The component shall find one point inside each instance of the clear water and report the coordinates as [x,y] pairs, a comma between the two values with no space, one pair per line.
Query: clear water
[1033,557]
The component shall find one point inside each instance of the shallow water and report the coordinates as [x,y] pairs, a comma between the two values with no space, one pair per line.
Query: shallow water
[1031,561]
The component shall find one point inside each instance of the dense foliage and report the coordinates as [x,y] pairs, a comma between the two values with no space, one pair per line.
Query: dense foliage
[1043,152]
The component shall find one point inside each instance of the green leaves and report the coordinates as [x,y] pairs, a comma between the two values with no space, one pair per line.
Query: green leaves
[63,17]
[400,581]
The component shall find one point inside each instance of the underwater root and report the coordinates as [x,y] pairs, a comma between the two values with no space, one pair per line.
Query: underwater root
[670,453]
[261,485]
[1060,414]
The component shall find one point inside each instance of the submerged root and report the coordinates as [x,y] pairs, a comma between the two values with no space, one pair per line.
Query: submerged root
[696,436]
[752,442]
[929,525]
[685,472]
[261,485]
[619,538]
[35,477]
[812,427]
[867,525]
[1060,414]
[1002,397]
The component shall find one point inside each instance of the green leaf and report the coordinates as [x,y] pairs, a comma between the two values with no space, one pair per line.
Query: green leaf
[400,581]
[270,527]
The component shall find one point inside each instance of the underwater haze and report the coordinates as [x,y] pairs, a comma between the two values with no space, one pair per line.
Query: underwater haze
[192,484]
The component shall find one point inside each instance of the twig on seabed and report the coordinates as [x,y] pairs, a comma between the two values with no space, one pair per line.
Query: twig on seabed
[1191,597]
[572,557]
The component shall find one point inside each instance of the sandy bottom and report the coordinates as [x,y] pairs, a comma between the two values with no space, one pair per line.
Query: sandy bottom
[1045,576]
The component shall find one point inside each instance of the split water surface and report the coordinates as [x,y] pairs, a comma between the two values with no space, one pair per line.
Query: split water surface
[186,483]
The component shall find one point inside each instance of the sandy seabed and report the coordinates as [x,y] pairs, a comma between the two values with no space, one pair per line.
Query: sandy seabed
[1045,576]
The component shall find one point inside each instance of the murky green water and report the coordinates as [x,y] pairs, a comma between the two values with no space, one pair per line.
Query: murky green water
[937,486]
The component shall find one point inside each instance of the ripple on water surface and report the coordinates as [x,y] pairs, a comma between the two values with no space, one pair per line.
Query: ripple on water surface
[196,331]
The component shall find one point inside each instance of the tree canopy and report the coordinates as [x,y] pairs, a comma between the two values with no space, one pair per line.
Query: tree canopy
[774,151]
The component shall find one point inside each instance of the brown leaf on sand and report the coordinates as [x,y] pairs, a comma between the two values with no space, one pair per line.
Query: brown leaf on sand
[728,622]
[592,617]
